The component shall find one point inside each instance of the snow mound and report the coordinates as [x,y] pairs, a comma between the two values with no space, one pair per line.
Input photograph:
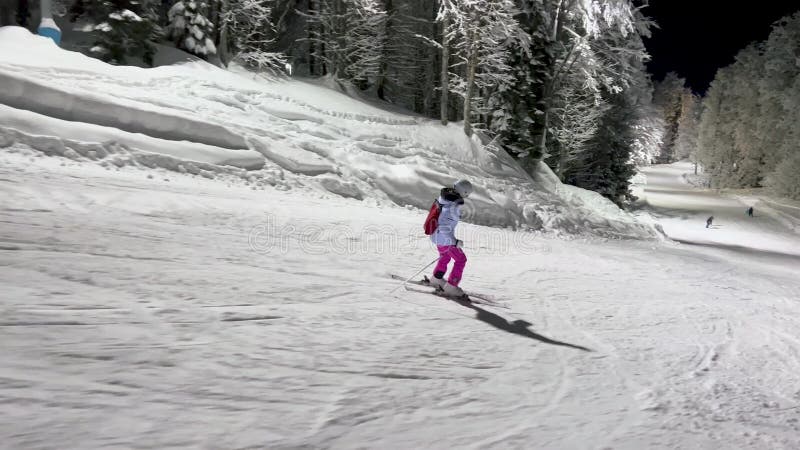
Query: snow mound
[84,106]
[65,138]
[315,136]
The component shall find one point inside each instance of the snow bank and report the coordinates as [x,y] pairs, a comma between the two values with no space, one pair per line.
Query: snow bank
[316,136]
[83,106]
[64,138]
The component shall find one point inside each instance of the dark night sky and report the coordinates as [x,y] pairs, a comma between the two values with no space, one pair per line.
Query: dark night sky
[697,37]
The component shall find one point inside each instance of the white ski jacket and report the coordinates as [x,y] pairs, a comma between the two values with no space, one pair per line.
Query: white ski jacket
[448,219]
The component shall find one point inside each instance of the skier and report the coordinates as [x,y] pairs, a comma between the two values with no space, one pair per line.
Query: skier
[449,204]
[750,211]
[708,221]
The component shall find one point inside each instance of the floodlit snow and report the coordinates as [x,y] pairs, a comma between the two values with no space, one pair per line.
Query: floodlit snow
[682,211]
[223,281]
[295,133]
[152,309]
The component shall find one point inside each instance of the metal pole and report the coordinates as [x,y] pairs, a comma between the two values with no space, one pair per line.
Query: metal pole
[415,274]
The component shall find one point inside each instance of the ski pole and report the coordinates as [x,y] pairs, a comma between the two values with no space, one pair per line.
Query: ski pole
[415,274]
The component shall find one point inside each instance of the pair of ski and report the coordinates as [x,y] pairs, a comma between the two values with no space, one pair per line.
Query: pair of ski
[468,297]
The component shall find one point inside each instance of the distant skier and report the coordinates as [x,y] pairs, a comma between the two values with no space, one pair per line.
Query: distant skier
[708,221]
[441,226]
[750,212]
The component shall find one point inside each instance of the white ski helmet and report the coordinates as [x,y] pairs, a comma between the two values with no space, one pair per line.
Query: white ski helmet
[463,187]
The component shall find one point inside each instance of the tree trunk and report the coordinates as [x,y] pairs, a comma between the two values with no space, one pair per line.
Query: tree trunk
[339,32]
[381,82]
[471,63]
[562,161]
[432,62]
[557,20]
[309,33]
[550,88]
[445,67]
[222,49]
[280,25]
[545,124]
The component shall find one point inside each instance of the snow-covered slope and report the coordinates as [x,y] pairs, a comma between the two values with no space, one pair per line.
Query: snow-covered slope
[293,134]
[682,210]
[179,312]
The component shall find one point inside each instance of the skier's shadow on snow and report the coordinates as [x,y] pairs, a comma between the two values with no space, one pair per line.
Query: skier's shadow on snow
[519,327]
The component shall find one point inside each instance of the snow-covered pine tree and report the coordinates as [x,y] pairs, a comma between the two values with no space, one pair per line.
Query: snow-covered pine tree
[125,30]
[688,128]
[190,28]
[648,128]
[668,95]
[576,120]
[779,106]
[743,104]
[364,41]
[784,180]
[522,102]
[607,167]
[715,142]
[611,58]
[485,31]
[649,132]
[347,37]
[748,128]
[409,70]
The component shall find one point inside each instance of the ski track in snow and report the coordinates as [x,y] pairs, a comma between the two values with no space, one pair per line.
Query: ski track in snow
[136,314]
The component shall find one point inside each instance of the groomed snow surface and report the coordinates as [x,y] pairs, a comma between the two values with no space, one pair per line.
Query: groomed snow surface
[143,308]
[223,282]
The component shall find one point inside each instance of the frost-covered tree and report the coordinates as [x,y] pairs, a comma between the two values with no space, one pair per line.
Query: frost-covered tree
[540,76]
[668,96]
[347,36]
[607,168]
[364,41]
[785,179]
[523,101]
[606,64]
[409,71]
[486,30]
[247,32]
[688,128]
[190,28]
[715,141]
[449,16]
[583,36]
[744,104]
[748,128]
[776,122]
[575,124]
[648,130]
